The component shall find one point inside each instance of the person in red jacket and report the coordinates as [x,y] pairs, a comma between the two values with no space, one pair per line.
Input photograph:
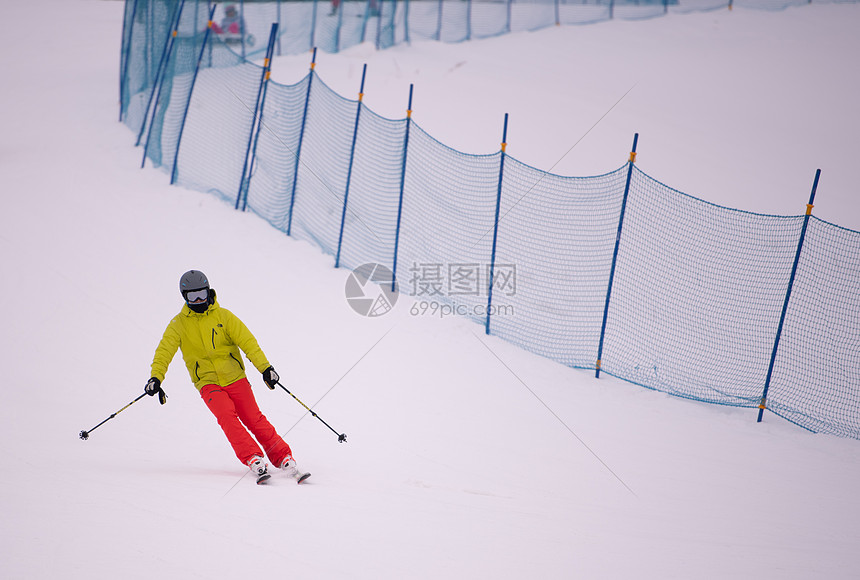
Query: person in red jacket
[232,23]
[210,338]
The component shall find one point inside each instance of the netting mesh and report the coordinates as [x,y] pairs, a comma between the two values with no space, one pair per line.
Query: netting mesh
[145,35]
[447,221]
[698,291]
[218,129]
[697,295]
[374,191]
[321,184]
[558,233]
[274,173]
[816,377]
[335,25]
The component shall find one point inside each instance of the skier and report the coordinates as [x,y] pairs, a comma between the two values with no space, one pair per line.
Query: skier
[232,23]
[210,338]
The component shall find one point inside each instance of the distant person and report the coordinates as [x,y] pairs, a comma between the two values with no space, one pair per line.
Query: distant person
[374,8]
[232,22]
[210,338]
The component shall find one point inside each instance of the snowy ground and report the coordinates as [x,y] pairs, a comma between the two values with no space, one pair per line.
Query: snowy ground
[467,458]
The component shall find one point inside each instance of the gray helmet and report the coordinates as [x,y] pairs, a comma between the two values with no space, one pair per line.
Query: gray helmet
[192,280]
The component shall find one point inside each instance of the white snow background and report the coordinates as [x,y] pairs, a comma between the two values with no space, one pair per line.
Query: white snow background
[466,457]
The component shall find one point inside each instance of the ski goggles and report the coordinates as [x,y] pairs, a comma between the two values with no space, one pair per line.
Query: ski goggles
[193,296]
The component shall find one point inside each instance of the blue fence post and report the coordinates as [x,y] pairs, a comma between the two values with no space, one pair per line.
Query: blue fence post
[469,20]
[349,169]
[508,24]
[257,122]
[763,404]
[492,275]
[439,20]
[406,21]
[379,26]
[159,80]
[364,23]
[190,93]
[243,183]
[165,52]
[402,183]
[557,13]
[630,163]
[312,44]
[127,34]
[149,42]
[196,15]
[340,9]
[301,138]
[242,28]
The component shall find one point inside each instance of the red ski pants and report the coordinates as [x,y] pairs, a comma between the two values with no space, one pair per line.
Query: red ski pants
[235,406]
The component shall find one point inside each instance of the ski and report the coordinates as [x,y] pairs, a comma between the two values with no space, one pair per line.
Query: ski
[298,476]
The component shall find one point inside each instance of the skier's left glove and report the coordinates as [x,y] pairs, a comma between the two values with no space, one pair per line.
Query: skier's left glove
[153,387]
[270,377]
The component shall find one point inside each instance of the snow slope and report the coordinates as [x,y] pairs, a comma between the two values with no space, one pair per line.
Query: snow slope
[466,457]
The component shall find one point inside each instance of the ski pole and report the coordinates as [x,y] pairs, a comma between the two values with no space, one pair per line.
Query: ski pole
[86,434]
[341,437]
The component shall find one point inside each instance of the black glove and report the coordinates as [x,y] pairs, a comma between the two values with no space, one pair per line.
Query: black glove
[153,387]
[270,377]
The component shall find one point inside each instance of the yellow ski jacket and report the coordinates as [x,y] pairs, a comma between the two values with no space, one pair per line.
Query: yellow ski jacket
[210,344]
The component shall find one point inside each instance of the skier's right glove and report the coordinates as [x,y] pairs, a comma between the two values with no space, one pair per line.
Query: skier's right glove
[153,387]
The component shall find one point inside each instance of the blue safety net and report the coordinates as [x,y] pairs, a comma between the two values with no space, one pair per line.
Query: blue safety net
[554,252]
[697,295]
[616,272]
[278,153]
[370,219]
[816,377]
[323,167]
[447,222]
[335,25]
